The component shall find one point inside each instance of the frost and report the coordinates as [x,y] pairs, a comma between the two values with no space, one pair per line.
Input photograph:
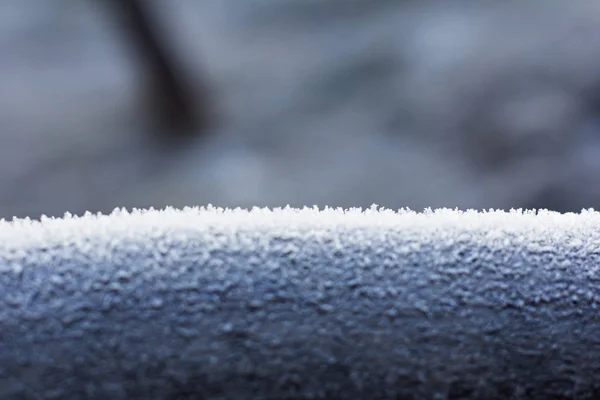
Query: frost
[268,276]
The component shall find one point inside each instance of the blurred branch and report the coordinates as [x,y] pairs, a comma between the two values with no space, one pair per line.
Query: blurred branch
[178,108]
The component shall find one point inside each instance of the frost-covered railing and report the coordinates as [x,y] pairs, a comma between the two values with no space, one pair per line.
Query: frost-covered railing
[292,304]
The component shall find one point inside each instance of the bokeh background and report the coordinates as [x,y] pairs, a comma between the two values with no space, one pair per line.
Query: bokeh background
[470,104]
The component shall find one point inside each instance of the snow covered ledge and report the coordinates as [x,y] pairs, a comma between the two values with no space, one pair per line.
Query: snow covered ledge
[206,303]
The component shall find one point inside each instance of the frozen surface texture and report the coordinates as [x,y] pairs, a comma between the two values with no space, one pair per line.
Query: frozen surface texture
[301,304]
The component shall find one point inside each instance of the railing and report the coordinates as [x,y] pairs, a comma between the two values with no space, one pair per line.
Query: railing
[294,304]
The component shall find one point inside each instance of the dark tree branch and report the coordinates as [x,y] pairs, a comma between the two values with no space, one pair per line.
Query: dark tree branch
[177,107]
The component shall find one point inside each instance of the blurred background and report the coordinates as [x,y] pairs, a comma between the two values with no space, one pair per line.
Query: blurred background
[139,103]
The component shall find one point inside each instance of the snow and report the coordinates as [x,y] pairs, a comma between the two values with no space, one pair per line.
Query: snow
[238,300]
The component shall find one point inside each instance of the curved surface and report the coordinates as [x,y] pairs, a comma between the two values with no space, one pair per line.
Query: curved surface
[301,304]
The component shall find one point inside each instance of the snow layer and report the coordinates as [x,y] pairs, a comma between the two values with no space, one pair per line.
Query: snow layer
[208,303]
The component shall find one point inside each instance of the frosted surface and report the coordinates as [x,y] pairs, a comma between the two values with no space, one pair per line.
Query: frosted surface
[301,303]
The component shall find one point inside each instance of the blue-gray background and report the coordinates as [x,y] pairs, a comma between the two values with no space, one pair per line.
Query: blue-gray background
[332,102]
